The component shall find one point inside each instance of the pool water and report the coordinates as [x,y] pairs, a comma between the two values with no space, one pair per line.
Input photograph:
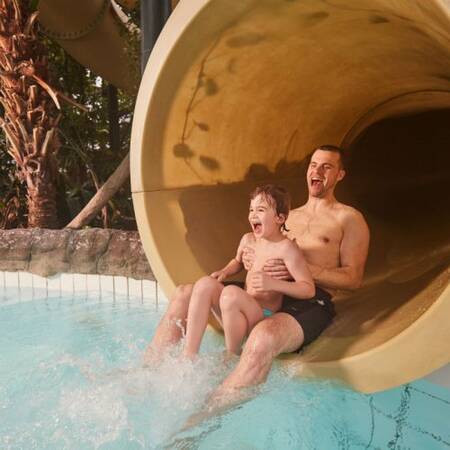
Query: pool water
[71,378]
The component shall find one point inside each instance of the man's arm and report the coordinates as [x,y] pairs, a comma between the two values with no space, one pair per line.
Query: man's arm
[353,254]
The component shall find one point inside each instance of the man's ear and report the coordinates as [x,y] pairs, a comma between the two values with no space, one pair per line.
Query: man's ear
[341,174]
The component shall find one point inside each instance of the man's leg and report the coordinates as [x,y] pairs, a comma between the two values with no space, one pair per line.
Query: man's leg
[172,325]
[280,333]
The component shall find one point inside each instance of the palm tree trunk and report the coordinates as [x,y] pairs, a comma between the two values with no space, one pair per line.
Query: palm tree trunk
[41,202]
[30,109]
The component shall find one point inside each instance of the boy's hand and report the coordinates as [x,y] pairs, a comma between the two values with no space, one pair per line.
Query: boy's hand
[260,281]
[248,257]
[219,275]
[277,269]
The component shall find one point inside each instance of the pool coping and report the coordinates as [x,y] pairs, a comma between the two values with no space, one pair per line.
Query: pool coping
[35,286]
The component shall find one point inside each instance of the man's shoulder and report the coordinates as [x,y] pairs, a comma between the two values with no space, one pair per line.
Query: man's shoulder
[350,215]
[297,212]
[349,211]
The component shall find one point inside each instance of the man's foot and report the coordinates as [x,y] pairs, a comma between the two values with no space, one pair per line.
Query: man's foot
[223,400]
[229,358]
[152,358]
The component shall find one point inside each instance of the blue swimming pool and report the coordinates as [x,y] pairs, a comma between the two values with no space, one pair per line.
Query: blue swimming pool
[71,378]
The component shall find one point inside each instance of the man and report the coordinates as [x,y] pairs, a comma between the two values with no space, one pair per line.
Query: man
[334,239]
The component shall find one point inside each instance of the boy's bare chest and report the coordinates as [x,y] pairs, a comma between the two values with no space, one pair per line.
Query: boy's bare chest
[263,253]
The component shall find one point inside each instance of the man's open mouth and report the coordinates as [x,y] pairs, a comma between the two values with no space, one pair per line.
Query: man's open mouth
[316,181]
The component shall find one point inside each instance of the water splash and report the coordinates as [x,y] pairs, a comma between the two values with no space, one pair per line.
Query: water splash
[71,377]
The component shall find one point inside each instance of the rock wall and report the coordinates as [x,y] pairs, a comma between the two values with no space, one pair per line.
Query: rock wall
[93,251]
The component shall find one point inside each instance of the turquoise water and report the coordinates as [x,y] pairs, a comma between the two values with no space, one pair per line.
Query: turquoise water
[71,378]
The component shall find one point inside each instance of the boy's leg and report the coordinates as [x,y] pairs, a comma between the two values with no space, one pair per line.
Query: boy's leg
[240,313]
[172,325]
[205,295]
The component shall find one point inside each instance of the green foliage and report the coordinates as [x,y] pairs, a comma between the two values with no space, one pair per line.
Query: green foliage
[86,159]
[34,5]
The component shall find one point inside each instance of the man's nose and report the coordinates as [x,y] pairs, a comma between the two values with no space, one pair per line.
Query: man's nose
[319,170]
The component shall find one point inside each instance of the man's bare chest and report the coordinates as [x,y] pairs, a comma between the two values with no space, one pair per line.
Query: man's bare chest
[316,233]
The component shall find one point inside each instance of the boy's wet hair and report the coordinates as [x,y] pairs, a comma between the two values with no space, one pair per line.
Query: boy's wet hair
[276,196]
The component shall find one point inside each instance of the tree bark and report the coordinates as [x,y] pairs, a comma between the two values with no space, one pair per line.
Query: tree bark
[30,109]
[103,195]
[42,203]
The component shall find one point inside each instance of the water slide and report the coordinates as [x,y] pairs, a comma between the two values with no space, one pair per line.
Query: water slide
[238,93]
[95,33]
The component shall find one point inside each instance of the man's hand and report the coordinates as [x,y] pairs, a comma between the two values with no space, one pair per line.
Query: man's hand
[259,281]
[220,275]
[248,257]
[276,268]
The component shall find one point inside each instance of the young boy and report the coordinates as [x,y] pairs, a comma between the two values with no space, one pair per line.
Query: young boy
[239,310]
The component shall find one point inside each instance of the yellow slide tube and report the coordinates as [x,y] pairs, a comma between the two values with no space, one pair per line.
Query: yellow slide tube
[238,93]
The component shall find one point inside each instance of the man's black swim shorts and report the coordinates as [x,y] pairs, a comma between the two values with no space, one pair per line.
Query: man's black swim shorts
[313,314]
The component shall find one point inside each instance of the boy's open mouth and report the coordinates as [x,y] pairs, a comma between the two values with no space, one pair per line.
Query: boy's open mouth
[257,227]
[316,181]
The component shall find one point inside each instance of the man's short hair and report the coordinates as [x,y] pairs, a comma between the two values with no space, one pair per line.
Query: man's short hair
[335,149]
[276,196]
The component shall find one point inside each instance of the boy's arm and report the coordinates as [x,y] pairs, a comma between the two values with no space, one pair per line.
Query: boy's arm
[303,284]
[235,265]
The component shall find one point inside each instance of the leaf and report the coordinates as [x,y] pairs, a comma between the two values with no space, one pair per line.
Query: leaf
[34,5]
[245,39]
[202,126]
[231,67]
[211,87]
[182,150]
[32,19]
[49,90]
[209,163]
